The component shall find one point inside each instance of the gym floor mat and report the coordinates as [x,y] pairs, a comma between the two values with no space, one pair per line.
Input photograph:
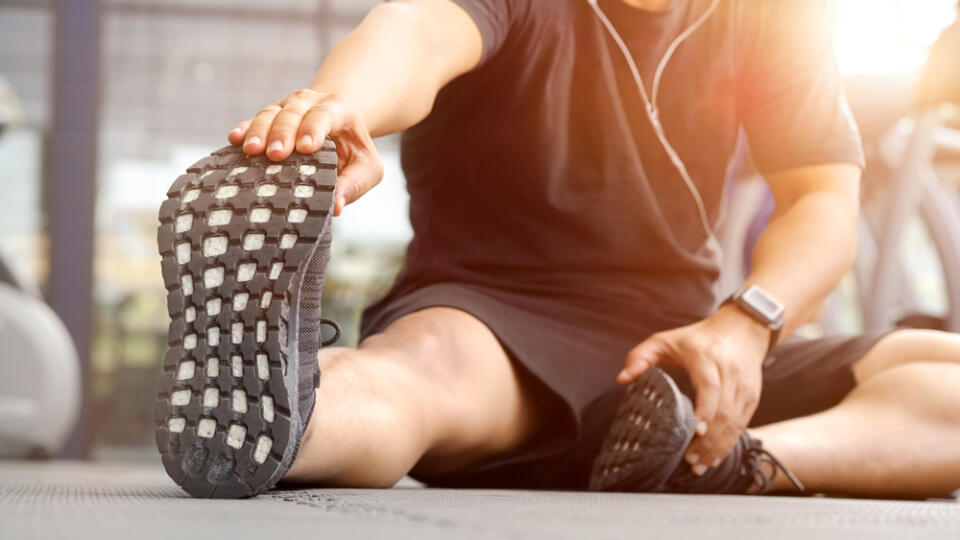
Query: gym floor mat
[83,500]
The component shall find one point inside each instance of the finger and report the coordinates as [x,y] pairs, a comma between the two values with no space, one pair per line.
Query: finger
[705,377]
[649,353]
[280,139]
[709,448]
[356,178]
[319,122]
[239,133]
[256,139]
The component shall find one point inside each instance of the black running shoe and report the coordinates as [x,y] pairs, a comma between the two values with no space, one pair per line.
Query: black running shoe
[245,243]
[643,452]
[646,441]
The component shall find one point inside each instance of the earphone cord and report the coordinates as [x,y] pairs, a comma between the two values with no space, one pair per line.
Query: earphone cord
[653,113]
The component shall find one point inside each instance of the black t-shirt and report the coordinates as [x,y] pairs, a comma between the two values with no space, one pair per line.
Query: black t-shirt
[539,172]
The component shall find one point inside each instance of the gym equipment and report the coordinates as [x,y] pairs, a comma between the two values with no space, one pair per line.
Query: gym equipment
[39,374]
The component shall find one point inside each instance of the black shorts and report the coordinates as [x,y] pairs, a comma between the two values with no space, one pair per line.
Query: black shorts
[571,355]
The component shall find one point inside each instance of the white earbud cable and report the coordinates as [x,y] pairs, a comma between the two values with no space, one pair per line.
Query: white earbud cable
[653,112]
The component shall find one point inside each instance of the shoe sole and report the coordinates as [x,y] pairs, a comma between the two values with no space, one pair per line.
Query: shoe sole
[646,441]
[235,236]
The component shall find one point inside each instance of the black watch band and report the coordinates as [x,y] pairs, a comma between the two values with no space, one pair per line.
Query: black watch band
[763,308]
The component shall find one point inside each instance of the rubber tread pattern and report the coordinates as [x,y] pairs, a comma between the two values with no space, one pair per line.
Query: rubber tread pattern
[210,467]
[647,438]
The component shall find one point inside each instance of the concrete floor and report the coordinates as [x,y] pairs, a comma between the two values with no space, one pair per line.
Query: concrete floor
[79,501]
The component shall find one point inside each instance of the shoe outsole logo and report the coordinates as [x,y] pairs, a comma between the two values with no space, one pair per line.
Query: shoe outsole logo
[234,235]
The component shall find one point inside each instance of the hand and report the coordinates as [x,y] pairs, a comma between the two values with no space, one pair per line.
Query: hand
[308,117]
[723,355]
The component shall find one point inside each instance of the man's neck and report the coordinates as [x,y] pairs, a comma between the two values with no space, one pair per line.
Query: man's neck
[649,5]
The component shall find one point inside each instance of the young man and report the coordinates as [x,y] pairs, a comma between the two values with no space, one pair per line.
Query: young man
[565,161]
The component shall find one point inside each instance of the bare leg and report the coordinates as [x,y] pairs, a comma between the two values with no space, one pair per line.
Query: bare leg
[897,434]
[435,390]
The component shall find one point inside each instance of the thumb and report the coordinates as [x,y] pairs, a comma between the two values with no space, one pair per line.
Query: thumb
[650,353]
[355,179]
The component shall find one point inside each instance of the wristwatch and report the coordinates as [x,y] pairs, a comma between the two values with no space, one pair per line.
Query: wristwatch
[764,308]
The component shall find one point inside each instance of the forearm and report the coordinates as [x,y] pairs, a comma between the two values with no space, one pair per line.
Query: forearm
[805,252]
[393,65]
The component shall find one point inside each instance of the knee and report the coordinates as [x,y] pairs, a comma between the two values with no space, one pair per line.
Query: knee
[908,346]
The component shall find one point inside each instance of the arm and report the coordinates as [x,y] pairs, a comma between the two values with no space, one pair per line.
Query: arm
[381,78]
[803,253]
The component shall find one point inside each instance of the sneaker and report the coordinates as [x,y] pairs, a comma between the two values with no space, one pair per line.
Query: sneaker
[646,441]
[245,243]
[643,451]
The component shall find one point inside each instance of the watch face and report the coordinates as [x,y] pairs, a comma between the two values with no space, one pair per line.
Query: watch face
[765,305]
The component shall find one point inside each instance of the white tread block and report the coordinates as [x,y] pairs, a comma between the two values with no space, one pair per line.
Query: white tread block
[267,190]
[236,333]
[235,436]
[184,223]
[265,299]
[176,424]
[274,169]
[183,253]
[180,398]
[190,314]
[261,331]
[228,191]
[288,240]
[239,400]
[214,305]
[214,246]
[191,195]
[308,170]
[262,449]
[303,191]
[186,284]
[211,397]
[260,215]
[236,365]
[266,408]
[246,271]
[213,336]
[237,170]
[219,217]
[190,342]
[213,277]
[297,215]
[263,367]
[206,428]
[186,370]
[213,367]
[275,270]
[253,241]
[240,301]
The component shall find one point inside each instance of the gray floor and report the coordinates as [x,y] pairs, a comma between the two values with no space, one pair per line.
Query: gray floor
[79,501]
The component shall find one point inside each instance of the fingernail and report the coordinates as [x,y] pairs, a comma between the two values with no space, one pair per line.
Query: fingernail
[252,141]
[699,470]
[716,462]
[275,145]
[693,458]
[306,140]
[701,428]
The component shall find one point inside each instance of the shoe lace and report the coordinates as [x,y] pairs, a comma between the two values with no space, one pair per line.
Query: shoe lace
[754,460]
[337,330]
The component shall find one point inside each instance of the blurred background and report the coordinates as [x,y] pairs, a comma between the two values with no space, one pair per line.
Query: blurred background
[103,103]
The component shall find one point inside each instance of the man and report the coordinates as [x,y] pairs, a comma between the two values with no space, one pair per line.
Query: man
[565,161]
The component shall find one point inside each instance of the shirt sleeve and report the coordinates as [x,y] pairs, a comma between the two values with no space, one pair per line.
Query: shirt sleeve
[495,19]
[790,94]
